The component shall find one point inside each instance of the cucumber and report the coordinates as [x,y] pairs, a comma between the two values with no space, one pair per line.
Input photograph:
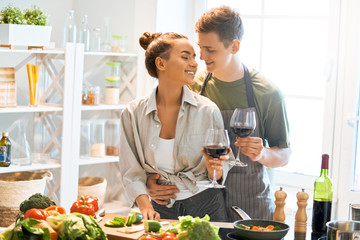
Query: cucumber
[152,226]
[113,223]
[136,217]
[129,220]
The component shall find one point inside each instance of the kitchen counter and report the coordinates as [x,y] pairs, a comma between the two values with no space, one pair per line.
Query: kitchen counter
[225,228]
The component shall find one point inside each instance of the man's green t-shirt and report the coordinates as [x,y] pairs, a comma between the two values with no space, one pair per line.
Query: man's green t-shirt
[269,104]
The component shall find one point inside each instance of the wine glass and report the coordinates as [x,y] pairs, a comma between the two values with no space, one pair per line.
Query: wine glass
[243,123]
[216,144]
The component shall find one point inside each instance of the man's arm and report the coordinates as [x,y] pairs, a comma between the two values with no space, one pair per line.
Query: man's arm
[268,156]
[160,193]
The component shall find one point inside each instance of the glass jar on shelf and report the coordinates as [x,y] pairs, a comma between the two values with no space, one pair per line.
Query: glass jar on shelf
[112,137]
[85,136]
[112,92]
[96,40]
[97,148]
[91,95]
[118,43]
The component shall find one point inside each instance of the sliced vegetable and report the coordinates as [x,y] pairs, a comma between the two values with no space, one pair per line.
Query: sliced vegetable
[55,210]
[34,213]
[49,230]
[152,226]
[113,223]
[136,217]
[129,221]
[86,205]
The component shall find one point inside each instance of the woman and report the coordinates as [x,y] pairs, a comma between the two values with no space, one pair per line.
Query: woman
[163,133]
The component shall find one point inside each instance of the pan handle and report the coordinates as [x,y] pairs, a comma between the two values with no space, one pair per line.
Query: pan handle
[241,213]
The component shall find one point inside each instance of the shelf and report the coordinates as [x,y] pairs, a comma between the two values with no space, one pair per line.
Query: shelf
[101,107]
[49,51]
[99,160]
[13,168]
[116,54]
[27,109]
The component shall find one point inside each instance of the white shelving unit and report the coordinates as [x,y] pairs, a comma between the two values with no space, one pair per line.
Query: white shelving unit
[61,99]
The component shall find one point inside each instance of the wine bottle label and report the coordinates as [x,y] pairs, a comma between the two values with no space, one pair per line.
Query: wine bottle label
[2,153]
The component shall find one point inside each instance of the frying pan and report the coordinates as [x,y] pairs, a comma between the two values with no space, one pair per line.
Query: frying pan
[255,235]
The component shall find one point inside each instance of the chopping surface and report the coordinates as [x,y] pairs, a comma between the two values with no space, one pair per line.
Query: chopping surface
[114,234]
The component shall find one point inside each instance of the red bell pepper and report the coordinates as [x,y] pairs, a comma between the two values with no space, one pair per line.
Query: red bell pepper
[55,210]
[86,205]
[34,213]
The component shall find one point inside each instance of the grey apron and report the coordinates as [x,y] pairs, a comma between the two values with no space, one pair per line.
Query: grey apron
[246,187]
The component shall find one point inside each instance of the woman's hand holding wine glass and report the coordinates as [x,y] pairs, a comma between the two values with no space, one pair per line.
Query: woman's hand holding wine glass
[243,123]
[216,147]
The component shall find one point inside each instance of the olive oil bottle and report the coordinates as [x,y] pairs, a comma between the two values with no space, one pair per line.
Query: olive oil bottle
[5,150]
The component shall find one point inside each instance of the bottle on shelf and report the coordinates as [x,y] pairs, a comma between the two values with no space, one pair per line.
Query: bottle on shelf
[323,193]
[5,150]
[84,34]
[69,29]
[106,46]
[96,40]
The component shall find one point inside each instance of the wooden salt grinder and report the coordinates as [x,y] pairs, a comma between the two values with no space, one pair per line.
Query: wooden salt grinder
[300,217]
[279,214]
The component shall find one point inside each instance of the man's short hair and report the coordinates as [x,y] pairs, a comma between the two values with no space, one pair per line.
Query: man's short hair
[224,21]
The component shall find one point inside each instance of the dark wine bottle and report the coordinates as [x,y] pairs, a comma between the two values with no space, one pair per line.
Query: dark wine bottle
[323,193]
[5,150]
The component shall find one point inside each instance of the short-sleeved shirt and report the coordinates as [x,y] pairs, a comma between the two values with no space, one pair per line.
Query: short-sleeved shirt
[269,104]
[140,130]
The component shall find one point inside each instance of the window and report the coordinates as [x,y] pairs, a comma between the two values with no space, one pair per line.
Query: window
[288,42]
[313,55]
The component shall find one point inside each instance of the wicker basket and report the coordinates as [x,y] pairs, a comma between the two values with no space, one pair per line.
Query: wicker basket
[93,186]
[17,187]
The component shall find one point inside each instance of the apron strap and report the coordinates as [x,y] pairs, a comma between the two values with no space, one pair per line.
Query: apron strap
[249,89]
[207,78]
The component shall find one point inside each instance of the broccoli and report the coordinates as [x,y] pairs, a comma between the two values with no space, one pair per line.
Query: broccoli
[37,200]
[196,228]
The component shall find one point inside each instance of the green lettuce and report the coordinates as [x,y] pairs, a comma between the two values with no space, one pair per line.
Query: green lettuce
[76,226]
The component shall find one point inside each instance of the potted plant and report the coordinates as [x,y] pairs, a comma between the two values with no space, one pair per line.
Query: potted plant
[24,28]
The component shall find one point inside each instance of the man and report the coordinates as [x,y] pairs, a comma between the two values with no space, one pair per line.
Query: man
[229,84]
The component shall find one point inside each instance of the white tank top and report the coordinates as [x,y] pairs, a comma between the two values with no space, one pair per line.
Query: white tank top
[165,161]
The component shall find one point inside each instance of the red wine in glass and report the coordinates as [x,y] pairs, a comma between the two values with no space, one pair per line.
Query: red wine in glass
[243,123]
[243,131]
[216,144]
[215,151]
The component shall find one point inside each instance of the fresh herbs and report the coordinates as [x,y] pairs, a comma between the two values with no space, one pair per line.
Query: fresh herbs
[30,16]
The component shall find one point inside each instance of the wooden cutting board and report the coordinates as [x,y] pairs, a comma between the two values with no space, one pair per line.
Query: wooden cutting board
[115,234]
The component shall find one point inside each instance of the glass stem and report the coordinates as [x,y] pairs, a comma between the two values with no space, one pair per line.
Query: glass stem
[238,156]
[214,182]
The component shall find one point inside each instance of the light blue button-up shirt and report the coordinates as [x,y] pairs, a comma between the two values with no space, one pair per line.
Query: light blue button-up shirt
[140,130]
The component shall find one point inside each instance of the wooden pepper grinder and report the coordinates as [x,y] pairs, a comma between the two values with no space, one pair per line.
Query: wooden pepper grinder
[279,214]
[300,217]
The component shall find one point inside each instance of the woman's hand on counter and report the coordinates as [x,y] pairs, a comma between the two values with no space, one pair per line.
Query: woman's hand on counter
[146,208]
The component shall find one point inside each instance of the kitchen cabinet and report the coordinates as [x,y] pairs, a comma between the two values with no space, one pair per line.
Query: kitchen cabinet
[54,125]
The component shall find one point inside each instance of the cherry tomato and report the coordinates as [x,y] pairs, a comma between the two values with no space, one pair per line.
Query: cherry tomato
[34,213]
[150,237]
[171,234]
[55,210]
[169,238]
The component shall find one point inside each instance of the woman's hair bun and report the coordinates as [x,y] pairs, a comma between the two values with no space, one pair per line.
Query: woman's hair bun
[147,38]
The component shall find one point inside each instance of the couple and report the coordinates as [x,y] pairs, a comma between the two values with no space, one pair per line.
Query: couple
[162,133]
